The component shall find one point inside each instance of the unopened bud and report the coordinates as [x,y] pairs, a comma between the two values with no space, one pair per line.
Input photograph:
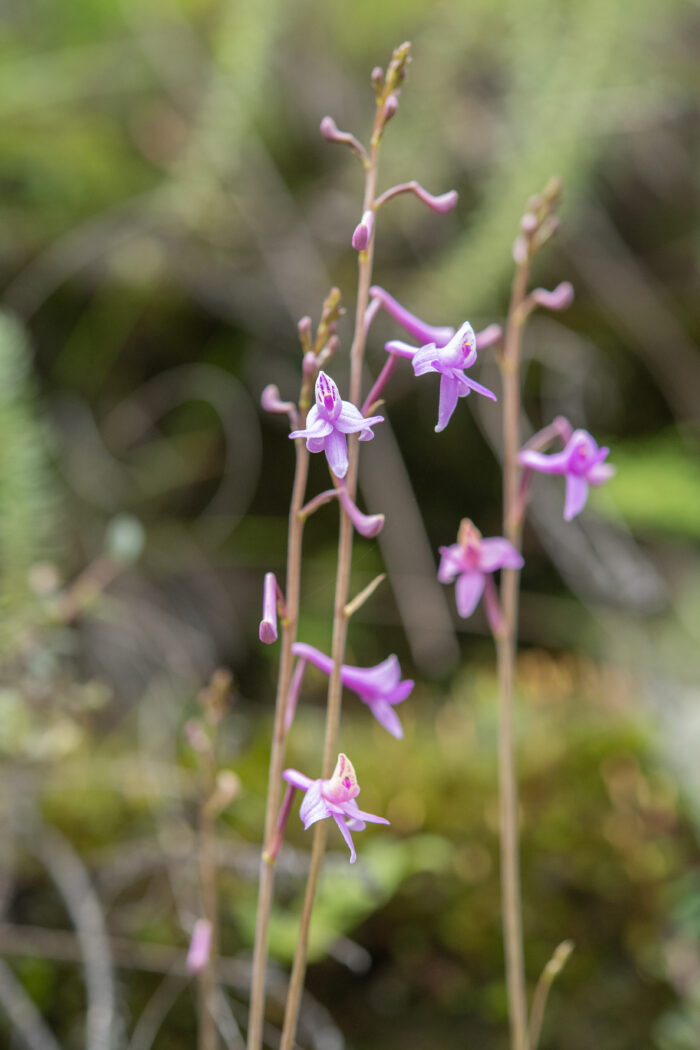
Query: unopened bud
[528,223]
[309,365]
[304,330]
[559,298]
[377,78]
[271,401]
[329,129]
[390,107]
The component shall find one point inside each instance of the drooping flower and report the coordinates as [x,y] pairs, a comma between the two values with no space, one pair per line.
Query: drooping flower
[380,687]
[333,798]
[581,463]
[329,420]
[471,561]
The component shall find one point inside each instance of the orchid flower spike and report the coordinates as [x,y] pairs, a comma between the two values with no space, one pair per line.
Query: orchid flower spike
[450,361]
[333,798]
[329,420]
[380,687]
[471,561]
[581,463]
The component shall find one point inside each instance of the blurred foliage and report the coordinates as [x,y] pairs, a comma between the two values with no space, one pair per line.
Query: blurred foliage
[169,211]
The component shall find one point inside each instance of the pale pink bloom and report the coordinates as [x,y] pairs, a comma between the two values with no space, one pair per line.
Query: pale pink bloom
[333,798]
[471,561]
[329,420]
[380,687]
[582,464]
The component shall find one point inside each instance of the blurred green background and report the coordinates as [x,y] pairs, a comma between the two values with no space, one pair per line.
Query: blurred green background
[168,212]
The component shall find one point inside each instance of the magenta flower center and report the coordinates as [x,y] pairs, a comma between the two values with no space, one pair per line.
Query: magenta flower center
[327,397]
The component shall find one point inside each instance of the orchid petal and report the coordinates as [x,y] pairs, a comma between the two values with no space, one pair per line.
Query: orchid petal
[554,464]
[345,832]
[353,812]
[479,389]
[297,779]
[499,553]
[387,717]
[449,393]
[468,590]
[336,449]
[600,473]
[314,807]
[576,496]
[451,563]
[425,360]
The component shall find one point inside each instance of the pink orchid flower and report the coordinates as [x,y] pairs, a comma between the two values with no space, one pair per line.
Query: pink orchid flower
[472,560]
[581,463]
[329,420]
[333,798]
[380,687]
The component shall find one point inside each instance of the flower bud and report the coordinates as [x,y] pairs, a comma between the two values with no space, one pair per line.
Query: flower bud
[329,129]
[304,330]
[268,624]
[368,525]
[363,232]
[528,223]
[559,298]
[271,401]
[390,107]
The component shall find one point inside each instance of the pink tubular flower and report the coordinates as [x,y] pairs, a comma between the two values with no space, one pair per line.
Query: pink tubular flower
[268,624]
[472,560]
[380,687]
[329,420]
[450,361]
[333,798]
[581,463]
[417,329]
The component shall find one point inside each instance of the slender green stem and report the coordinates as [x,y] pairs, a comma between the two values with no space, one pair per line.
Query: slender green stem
[340,620]
[507,644]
